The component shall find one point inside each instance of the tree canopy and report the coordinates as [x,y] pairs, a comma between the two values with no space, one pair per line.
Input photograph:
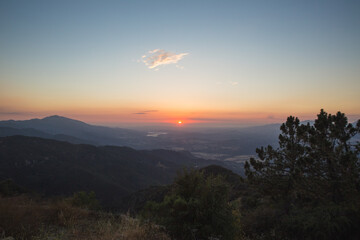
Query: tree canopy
[312,179]
[196,208]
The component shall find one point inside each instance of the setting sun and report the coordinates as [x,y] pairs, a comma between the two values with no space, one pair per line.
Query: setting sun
[179,122]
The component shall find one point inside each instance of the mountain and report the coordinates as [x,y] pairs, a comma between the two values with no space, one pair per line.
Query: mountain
[57,125]
[53,167]
[8,131]
[52,124]
[232,145]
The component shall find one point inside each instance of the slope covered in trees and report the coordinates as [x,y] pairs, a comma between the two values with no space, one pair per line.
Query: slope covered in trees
[58,168]
[309,187]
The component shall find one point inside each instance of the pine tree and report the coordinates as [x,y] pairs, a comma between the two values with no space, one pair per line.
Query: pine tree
[312,178]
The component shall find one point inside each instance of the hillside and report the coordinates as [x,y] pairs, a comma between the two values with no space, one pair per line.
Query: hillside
[58,125]
[31,132]
[59,168]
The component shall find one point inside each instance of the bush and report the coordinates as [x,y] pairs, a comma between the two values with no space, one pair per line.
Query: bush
[197,207]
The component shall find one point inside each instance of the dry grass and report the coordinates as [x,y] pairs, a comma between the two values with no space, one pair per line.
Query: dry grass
[20,217]
[24,218]
[110,227]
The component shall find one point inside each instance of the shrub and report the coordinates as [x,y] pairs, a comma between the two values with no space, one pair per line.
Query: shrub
[197,207]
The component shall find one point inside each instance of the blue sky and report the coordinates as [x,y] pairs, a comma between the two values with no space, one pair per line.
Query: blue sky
[246,60]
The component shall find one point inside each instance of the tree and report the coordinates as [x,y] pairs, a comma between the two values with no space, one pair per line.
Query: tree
[279,171]
[315,171]
[197,207]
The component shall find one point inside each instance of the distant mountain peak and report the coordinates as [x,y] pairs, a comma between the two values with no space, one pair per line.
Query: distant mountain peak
[56,117]
[62,119]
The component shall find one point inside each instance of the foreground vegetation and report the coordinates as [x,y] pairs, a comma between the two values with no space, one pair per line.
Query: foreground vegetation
[23,217]
[307,188]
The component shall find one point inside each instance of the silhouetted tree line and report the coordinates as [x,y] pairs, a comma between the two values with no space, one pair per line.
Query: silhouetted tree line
[307,188]
[312,181]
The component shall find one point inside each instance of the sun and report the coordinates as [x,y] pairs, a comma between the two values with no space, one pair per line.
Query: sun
[179,122]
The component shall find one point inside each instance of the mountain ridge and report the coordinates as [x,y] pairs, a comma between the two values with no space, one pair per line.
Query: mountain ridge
[53,167]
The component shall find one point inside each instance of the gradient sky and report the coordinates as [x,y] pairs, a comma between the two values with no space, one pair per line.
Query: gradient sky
[217,63]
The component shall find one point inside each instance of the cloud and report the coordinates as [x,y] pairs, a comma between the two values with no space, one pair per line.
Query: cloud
[146,112]
[234,83]
[158,57]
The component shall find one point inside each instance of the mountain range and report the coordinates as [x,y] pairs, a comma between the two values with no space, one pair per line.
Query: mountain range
[51,167]
[59,156]
[56,126]
[218,144]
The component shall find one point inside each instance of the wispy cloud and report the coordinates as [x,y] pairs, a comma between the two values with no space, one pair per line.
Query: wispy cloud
[158,57]
[146,112]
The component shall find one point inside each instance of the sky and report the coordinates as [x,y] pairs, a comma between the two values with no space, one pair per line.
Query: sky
[213,63]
